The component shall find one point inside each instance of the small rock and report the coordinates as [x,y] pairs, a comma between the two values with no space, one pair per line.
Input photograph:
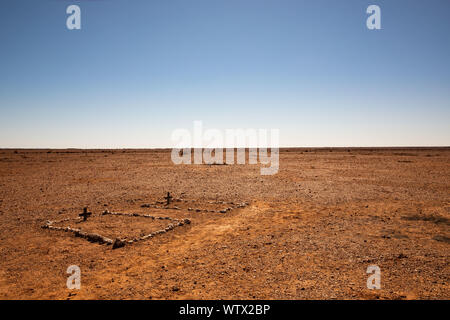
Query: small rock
[118,243]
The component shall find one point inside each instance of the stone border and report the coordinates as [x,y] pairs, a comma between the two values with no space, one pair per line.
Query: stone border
[116,243]
[233,206]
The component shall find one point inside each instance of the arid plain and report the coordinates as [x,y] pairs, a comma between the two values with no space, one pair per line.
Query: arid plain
[308,232]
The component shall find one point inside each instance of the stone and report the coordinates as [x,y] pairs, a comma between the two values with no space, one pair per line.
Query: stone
[94,237]
[118,243]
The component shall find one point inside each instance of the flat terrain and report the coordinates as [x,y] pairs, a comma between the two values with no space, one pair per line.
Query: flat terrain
[308,232]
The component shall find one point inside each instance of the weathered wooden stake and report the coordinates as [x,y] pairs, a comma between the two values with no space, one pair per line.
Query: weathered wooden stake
[168,198]
[85,214]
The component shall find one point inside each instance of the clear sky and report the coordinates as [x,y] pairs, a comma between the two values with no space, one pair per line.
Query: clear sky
[137,70]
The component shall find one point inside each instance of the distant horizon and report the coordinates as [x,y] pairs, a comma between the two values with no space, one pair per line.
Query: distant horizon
[281,147]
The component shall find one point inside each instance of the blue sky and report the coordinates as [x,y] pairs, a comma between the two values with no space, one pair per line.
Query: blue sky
[137,70]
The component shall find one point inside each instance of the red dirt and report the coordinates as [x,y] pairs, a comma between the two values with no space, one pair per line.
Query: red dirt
[309,232]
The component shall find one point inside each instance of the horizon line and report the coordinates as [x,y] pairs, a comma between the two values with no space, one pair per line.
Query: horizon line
[268,147]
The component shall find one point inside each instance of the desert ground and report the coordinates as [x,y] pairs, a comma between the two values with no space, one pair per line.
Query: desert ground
[308,232]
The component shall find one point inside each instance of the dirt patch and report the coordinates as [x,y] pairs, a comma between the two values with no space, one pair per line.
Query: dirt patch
[308,232]
[429,218]
[441,238]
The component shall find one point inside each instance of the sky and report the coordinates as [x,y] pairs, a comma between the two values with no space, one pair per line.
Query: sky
[138,70]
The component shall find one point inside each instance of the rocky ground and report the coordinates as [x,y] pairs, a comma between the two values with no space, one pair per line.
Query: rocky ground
[308,232]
